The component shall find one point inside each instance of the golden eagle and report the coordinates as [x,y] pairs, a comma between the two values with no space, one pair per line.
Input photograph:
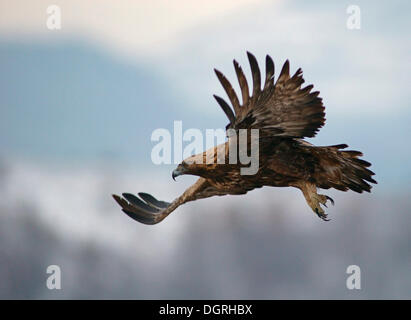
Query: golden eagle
[284,113]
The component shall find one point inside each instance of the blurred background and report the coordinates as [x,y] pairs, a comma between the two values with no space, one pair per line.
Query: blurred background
[77,109]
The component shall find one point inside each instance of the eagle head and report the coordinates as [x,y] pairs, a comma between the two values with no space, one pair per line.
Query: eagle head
[181,169]
[193,165]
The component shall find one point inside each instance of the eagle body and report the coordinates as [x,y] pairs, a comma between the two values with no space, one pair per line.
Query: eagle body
[275,168]
[283,113]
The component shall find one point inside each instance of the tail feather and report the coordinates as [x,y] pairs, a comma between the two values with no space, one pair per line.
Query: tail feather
[343,170]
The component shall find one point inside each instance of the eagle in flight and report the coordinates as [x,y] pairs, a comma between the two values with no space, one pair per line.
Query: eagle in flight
[284,113]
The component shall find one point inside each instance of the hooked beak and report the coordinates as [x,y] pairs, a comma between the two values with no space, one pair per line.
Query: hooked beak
[177,172]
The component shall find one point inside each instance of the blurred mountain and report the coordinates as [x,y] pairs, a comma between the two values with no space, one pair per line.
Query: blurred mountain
[267,244]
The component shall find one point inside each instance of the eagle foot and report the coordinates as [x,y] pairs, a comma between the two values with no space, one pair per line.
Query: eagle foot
[315,200]
[321,214]
[321,199]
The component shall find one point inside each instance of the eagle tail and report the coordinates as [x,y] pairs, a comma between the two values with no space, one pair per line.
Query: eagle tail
[345,170]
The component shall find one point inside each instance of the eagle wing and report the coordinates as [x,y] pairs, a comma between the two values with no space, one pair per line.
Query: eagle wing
[148,210]
[283,109]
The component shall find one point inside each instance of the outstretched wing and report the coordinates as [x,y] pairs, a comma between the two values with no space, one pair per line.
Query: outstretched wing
[148,210]
[283,109]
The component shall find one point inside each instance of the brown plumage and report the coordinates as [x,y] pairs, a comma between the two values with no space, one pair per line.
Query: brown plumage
[284,113]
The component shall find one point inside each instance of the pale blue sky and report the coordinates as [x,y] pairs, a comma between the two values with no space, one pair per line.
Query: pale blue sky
[97,92]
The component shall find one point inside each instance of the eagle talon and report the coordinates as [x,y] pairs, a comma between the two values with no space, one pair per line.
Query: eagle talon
[321,215]
[331,200]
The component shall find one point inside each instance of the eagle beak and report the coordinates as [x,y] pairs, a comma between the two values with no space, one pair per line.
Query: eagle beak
[178,172]
[175,174]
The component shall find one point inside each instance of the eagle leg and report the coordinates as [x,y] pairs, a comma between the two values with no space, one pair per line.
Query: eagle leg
[315,200]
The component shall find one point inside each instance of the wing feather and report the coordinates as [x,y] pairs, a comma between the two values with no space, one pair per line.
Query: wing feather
[229,90]
[149,210]
[269,73]
[255,72]
[281,109]
[242,82]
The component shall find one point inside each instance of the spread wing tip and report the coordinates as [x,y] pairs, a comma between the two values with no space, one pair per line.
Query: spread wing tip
[149,212]
[293,110]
